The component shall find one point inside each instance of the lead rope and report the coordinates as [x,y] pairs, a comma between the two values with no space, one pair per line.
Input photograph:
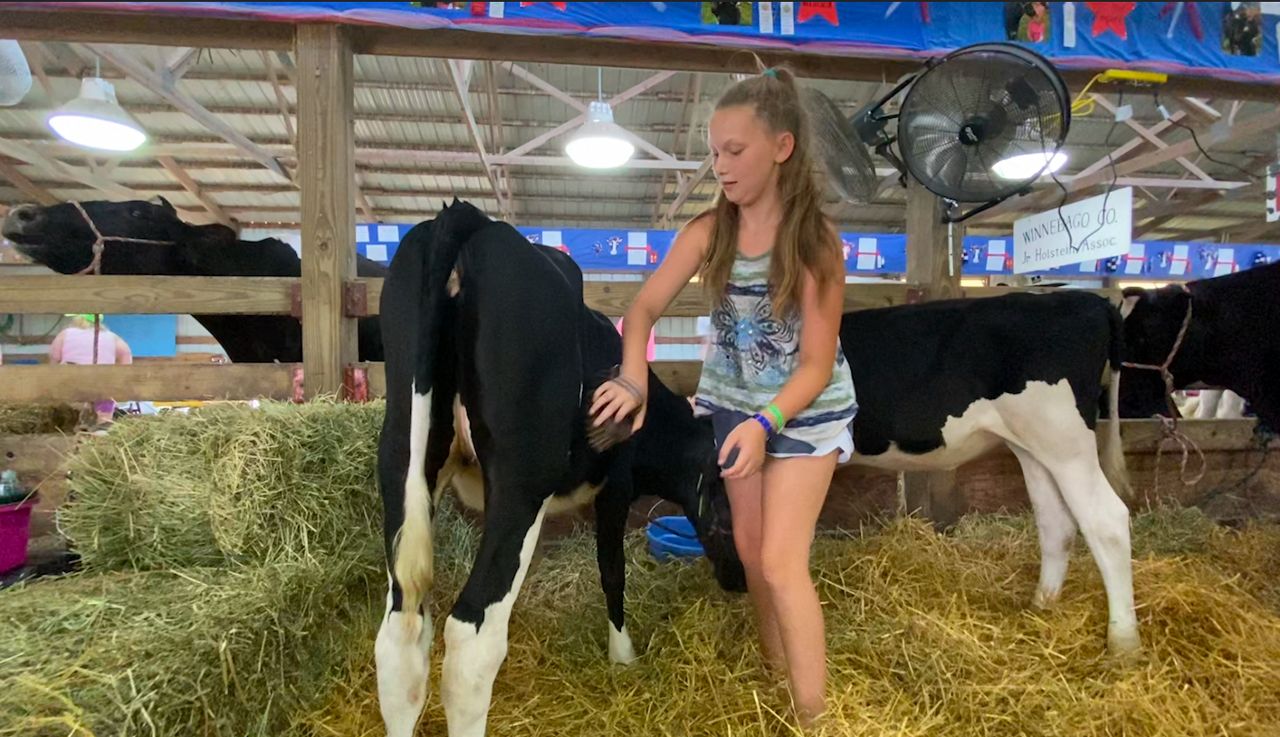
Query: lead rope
[95,266]
[1169,425]
[100,241]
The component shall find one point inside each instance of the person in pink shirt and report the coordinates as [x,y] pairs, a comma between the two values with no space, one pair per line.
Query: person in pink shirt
[650,349]
[75,345]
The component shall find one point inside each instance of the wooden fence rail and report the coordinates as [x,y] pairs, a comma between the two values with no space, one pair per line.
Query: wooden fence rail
[170,382]
[151,381]
[251,295]
[58,294]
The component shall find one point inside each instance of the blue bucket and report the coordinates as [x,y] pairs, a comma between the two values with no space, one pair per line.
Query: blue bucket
[673,537]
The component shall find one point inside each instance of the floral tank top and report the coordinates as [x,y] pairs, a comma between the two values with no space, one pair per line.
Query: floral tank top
[751,354]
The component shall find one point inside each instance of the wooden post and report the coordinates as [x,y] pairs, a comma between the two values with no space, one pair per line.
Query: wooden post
[927,245]
[933,267]
[326,173]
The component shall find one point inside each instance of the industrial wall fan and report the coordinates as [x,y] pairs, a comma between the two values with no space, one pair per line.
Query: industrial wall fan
[976,126]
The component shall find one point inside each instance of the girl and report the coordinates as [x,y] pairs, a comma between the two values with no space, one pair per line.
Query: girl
[774,380]
[83,343]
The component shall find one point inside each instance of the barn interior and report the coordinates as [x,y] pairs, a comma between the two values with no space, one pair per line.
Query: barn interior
[337,134]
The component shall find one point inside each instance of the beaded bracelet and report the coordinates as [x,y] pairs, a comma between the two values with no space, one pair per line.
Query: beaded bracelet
[764,422]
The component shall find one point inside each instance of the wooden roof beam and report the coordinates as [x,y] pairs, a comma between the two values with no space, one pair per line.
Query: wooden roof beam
[189,184]
[1146,133]
[614,102]
[497,140]
[1157,216]
[692,89]
[683,195]
[1200,110]
[1257,125]
[282,102]
[175,62]
[139,72]
[67,58]
[459,73]
[58,170]
[38,194]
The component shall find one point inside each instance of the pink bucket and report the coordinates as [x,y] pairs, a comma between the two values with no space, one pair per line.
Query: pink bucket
[15,531]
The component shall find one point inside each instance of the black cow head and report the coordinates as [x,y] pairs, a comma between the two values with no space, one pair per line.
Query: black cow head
[59,237]
[675,458]
[1152,319]
[710,517]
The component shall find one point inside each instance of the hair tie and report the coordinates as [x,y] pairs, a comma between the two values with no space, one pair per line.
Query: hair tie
[770,72]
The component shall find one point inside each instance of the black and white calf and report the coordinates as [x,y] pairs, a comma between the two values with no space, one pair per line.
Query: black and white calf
[942,383]
[471,309]
[1230,341]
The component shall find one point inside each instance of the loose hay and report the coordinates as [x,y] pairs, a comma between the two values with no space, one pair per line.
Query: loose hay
[31,419]
[227,485]
[928,635]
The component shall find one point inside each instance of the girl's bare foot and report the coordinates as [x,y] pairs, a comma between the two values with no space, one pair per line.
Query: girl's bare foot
[809,716]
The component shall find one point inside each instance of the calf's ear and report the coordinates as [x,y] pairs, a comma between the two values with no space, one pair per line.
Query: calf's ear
[1132,296]
[1126,307]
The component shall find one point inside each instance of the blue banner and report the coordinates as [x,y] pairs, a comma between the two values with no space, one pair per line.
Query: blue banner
[1146,260]
[872,254]
[1216,39]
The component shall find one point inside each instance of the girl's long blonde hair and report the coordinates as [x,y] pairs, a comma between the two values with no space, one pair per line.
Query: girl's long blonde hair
[805,241]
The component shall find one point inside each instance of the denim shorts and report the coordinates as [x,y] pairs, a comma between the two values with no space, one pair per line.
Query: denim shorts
[781,445]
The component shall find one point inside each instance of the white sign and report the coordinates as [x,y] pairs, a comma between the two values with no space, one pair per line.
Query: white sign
[1081,231]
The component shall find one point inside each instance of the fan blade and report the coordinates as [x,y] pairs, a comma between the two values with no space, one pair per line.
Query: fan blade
[839,148]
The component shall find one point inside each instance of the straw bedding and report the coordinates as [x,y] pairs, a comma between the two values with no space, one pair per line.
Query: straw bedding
[236,585]
[927,635]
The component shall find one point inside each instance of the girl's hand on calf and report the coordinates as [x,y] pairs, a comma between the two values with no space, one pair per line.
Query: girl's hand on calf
[748,438]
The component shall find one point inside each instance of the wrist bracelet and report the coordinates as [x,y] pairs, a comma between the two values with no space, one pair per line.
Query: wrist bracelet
[764,422]
[778,420]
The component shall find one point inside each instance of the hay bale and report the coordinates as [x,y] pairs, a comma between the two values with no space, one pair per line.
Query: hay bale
[217,653]
[226,486]
[37,419]
[242,652]
[928,635]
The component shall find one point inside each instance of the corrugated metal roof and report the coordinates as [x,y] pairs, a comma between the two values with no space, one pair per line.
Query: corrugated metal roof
[413,147]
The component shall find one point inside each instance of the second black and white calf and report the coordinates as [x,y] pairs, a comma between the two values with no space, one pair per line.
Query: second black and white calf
[942,383]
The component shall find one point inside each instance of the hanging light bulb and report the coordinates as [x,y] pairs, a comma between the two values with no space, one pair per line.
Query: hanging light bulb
[600,143]
[1026,166]
[95,120]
